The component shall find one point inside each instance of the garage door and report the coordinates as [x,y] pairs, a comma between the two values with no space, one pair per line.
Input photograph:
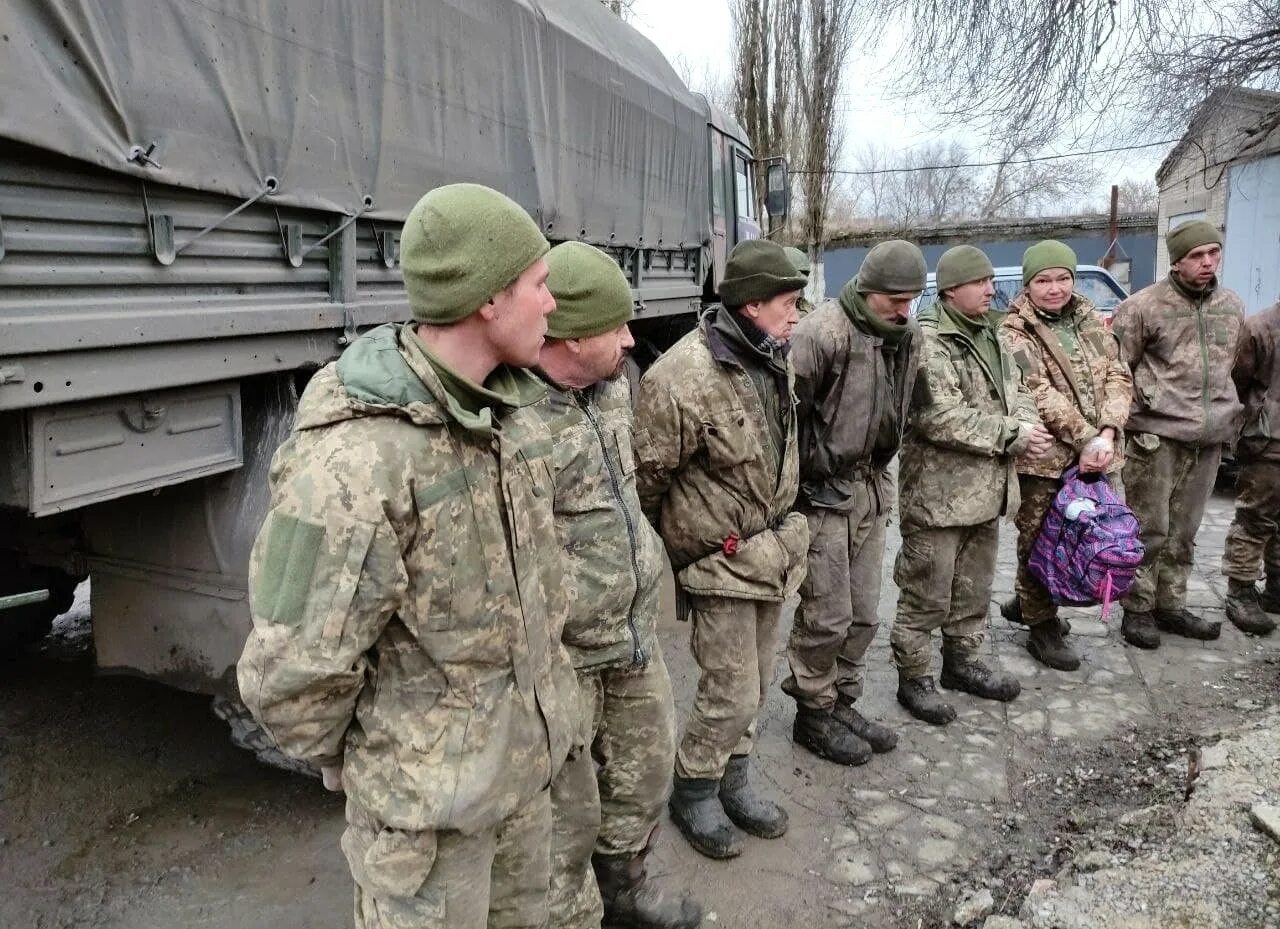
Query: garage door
[1251,261]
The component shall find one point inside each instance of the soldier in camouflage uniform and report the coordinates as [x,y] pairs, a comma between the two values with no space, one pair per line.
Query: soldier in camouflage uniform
[1179,338]
[406,636]
[800,259]
[971,417]
[716,447]
[855,361]
[1253,540]
[606,803]
[1082,390]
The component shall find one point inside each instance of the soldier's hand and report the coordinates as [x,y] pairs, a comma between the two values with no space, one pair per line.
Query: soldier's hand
[331,777]
[1040,442]
[1098,454]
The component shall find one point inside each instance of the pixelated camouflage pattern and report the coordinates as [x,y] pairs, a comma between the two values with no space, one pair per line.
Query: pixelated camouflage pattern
[1181,352]
[402,593]
[707,469]
[957,461]
[1079,388]
[1037,496]
[610,800]
[1257,378]
[613,556]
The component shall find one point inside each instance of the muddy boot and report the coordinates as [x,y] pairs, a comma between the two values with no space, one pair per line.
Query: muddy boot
[1269,599]
[749,811]
[1011,610]
[1047,646]
[700,818]
[974,677]
[1185,623]
[825,736]
[1139,628]
[632,901]
[879,736]
[923,701]
[1244,610]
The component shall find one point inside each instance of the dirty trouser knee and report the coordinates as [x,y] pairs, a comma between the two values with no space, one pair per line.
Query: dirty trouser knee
[635,746]
[733,642]
[1255,528]
[493,879]
[1037,497]
[944,576]
[837,619]
[574,898]
[1168,484]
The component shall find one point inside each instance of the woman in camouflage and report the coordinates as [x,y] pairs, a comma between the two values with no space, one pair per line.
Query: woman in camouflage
[1082,391]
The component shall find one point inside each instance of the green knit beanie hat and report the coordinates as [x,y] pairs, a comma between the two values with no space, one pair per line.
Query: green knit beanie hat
[960,265]
[1045,255]
[1190,235]
[758,270]
[798,258]
[892,267]
[592,294]
[461,244]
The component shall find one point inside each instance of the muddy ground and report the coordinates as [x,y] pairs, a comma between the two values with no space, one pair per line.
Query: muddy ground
[123,804]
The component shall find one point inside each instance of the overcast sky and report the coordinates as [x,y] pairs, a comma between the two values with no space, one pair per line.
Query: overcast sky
[700,33]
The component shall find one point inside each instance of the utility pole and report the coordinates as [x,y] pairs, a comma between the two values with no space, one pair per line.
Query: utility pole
[1113,227]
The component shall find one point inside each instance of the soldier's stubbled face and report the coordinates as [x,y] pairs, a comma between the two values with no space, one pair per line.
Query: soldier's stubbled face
[973,298]
[1198,266]
[892,308]
[519,320]
[1050,290]
[603,356]
[776,316]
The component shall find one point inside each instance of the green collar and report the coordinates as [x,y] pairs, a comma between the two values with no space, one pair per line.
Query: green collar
[855,308]
[1190,292]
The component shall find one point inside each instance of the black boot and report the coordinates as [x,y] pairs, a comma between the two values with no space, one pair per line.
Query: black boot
[1047,646]
[963,672]
[632,901]
[1244,610]
[700,818]
[1011,610]
[749,811]
[879,736]
[1139,629]
[923,701]
[1185,623]
[825,736]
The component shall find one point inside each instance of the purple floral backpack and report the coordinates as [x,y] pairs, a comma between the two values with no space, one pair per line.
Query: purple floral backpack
[1088,549]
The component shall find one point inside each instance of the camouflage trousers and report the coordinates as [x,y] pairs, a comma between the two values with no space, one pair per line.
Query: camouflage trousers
[1168,484]
[495,879]
[1253,541]
[733,643]
[839,600]
[944,576]
[608,801]
[1037,496]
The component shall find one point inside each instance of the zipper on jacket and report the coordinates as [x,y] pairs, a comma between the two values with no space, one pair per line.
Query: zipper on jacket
[637,653]
[1204,362]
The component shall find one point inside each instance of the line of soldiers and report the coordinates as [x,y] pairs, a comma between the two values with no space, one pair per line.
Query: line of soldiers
[456,589]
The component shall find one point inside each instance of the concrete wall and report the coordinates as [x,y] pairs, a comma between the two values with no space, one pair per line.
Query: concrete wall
[842,263]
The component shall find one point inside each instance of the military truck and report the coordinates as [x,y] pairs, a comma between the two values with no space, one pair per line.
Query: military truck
[200,205]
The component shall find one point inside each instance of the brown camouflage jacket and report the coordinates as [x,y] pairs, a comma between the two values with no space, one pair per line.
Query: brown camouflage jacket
[843,390]
[401,588]
[1181,351]
[613,557]
[1079,383]
[1257,377]
[957,461]
[707,469]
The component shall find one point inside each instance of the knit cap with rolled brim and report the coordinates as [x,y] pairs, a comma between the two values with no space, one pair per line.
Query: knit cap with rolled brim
[799,259]
[461,244]
[892,267]
[1191,235]
[960,265]
[592,294]
[1045,255]
[758,270]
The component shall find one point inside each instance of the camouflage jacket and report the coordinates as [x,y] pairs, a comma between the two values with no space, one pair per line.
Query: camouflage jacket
[1181,351]
[843,390]
[708,470]
[400,593]
[1078,381]
[1257,377]
[613,564]
[957,462]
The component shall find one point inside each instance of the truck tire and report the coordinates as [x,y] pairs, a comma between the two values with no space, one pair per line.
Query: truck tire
[24,626]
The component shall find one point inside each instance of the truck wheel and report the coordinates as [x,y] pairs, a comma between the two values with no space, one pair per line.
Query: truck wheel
[23,626]
[247,734]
